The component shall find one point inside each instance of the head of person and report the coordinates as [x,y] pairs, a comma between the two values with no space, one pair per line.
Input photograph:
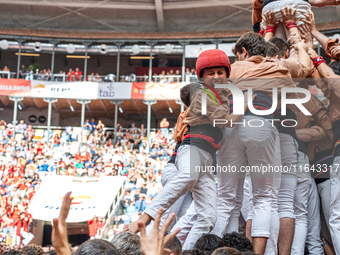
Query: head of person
[282,45]
[272,51]
[14,252]
[32,249]
[213,67]
[51,252]
[193,252]
[238,241]
[174,246]
[187,92]
[127,243]
[250,44]
[335,65]
[97,246]
[227,251]
[209,243]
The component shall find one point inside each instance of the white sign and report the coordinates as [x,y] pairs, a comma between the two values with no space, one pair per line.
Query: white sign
[227,48]
[92,196]
[71,90]
[193,51]
[114,90]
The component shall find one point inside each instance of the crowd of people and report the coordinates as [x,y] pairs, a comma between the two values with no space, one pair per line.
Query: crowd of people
[25,162]
[77,75]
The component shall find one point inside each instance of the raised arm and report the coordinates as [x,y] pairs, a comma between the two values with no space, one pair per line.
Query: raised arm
[326,72]
[271,24]
[322,3]
[288,19]
[310,134]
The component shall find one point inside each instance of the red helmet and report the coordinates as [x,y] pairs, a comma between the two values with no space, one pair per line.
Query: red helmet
[210,59]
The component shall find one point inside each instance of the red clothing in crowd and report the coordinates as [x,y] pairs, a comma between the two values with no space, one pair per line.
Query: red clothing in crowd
[16,214]
[18,224]
[25,226]
[93,227]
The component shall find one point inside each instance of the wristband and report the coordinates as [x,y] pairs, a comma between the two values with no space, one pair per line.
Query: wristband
[261,32]
[270,29]
[318,60]
[290,24]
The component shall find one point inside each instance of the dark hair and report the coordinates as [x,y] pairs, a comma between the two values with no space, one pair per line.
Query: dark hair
[335,65]
[272,50]
[175,246]
[193,252]
[253,43]
[51,252]
[281,44]
[227,251]
[127,243]
[209,242]
[97,246]
[187,91]
[238,241]
[33,249]
[14,252]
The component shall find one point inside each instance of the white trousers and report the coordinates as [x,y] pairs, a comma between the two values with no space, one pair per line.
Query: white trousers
[314,242]
[186,223]
[245,148]
[289,157]
[300,202]
[324,189]
[179,207]
[200,183]
[334,220]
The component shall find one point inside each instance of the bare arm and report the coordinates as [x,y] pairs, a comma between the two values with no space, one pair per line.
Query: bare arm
[322,3]
[59,229]
[304,59]
[310,21]
[295,40]
[306,35]
[269,20]
[288,15]
[309,135]
[324,70]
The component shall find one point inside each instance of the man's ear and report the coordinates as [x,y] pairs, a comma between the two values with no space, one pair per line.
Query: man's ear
[244,52]
[286,55]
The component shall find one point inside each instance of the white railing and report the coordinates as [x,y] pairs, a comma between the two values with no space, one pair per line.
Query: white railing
[167,78]
[8,73]
[101,78]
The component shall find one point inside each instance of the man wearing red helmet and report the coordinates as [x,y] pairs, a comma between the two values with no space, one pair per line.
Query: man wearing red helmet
[198,147]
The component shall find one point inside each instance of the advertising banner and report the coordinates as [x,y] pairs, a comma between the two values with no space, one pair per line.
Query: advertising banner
[70,90]
[148,90]
[15,87]
[193,51]
[115,90]
[91,196]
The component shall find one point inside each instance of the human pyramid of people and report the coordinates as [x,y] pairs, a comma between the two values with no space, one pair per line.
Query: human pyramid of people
[284,210]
